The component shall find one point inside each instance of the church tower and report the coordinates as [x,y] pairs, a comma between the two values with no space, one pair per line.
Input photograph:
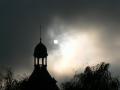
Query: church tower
[40,78]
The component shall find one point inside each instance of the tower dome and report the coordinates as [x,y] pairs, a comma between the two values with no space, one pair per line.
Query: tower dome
[40,51]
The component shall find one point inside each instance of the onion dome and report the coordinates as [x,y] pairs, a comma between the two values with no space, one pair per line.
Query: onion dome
[40,51]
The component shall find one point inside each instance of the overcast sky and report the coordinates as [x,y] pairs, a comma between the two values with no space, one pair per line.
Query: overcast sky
[90,27]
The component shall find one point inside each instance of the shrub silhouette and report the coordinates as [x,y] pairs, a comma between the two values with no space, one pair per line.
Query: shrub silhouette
[93,78]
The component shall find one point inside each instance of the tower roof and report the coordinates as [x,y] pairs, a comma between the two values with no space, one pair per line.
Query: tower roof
[40,51]
[40,79]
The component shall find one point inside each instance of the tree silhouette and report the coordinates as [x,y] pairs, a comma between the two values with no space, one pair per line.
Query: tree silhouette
[7,82]
[93,78]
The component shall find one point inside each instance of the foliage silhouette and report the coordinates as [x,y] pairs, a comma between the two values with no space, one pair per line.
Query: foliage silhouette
[93,78]
[7,82]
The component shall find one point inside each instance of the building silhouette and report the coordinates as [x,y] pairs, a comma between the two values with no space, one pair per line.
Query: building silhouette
[40,78]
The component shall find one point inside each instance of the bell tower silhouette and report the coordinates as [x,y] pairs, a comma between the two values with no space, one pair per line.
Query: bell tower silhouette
[40,54]
[40,79]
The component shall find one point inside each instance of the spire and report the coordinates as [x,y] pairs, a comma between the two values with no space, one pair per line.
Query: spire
[40,34]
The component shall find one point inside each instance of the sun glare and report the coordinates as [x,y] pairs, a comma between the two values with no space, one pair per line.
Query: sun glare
[77,47]
[55,41]
[74,51]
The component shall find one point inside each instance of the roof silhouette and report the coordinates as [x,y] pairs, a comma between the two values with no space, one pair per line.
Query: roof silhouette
[40,79]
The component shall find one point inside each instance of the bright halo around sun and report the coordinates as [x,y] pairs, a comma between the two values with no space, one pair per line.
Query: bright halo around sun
[55,41]
[73,52]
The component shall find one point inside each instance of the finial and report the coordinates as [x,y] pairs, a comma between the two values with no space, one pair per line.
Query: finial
[40,34]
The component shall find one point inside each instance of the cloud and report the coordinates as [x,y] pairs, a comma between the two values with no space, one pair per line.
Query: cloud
[80,46]
[65,20]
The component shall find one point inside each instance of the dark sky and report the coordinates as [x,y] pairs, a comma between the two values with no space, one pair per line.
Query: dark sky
[20,21]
